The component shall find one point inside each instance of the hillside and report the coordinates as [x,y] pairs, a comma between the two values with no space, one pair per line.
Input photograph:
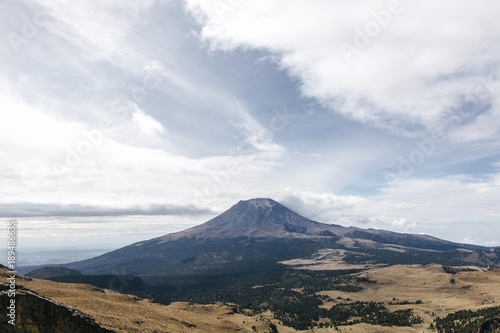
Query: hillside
[127,313]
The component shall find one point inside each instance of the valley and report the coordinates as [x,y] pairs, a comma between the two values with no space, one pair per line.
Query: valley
[426,291]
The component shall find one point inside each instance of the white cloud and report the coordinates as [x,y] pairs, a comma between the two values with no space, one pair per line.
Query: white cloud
[383,221]
[407,204]
[94,25]
[449,199]
[26,132]
[346,210]
[260,138]
[154,66]
[418,68]
[469,240]
[146,124]
[317,204]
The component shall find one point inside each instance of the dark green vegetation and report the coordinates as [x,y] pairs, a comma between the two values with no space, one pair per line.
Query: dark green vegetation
[363,255]
[466,321]
[405,302]
[455,270]
[120,283]
[290,295]
[301,312]
[408,240]
[49,272]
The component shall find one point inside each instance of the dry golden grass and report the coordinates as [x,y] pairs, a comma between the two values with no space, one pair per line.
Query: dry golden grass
[126,313]
[430,284]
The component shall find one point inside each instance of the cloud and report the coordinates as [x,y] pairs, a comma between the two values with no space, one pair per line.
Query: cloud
[96,231]
[88,101]
[29,209]
[470,240]
[346,210]
[93,25]
[411,69]
[260,139]
[451,199]
[382,220]
[318,204]
[154,66]
[116,107]
[146,124]
[407,204]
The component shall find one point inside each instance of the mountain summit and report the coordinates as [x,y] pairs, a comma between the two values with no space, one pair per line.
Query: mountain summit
[258,218]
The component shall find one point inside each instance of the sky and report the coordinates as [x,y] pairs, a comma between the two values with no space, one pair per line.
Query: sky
[125,120]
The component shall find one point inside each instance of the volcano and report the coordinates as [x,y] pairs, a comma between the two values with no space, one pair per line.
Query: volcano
[258,233]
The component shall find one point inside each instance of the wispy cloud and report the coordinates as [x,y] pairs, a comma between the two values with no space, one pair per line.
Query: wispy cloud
[147,124]
[410,69]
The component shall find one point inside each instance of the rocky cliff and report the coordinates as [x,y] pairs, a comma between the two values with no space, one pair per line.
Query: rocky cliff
[37,313]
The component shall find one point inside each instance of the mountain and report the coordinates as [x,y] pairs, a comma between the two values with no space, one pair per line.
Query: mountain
[256,234]
[257,218]
[266,218]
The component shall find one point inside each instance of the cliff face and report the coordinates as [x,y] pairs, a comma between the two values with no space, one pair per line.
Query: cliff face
[38,314]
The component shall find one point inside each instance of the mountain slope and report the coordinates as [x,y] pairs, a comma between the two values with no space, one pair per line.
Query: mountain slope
[256,234]
[257,218]
[266,218]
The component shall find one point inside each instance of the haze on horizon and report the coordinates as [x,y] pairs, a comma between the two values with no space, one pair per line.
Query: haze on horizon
[126,120]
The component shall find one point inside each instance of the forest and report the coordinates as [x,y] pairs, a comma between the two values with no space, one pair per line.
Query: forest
[466,321]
